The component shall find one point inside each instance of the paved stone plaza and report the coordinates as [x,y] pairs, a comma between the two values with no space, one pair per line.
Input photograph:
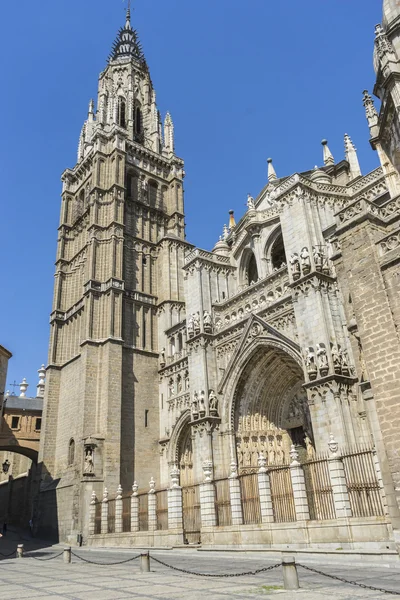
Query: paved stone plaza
[51,579]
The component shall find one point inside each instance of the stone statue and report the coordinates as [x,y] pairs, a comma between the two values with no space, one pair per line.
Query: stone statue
[250,202]
[213,403]
[271,453]
[202,404]
[207,322]
[190,326]
[309,448]
[187,382]
[322,359]
[345,362]
[171,387]
[311,367]
[305,260]
[295,265]
[162,357]
[336,359]
[196,322]
[195,405]
[318,258]
[179,382]
[89,464]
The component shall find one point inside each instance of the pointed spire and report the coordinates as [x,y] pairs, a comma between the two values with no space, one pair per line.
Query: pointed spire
[168,133]
[127,42]
[232,222]
[351,157]
[271,171]
[128,16]
[327,154]
[225,232]
[91,111]
[370,110]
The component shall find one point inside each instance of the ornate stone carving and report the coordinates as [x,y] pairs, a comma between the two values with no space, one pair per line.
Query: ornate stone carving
[207,470]
[152,486]
[322,358]
[333,445]
[207,322]
[295,265]
[305,260]
[174,473]
[294,456]
[309,359]
[196,323]
[213,403]
[135,488]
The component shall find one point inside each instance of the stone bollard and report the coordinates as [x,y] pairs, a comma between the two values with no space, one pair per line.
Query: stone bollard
[289,570]
[67,555]
[145,562]
[20,551]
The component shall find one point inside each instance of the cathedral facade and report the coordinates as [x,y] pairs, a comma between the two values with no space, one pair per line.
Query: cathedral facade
[266,368]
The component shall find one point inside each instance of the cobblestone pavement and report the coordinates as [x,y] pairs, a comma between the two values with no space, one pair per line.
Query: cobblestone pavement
[52,579]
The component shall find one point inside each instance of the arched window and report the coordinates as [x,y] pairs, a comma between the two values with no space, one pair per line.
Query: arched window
[252,271]
[278,256]
[71,452]
[180,344]
[138,121]
[172,346]
[121,112]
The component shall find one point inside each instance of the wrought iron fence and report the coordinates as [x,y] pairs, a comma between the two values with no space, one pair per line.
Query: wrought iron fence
[143,512]
[362,482]
[223,502]
[319,489]
[97,517]
[162,509]
[282,494]
[250,497]
[126,514]
[191,514]
[111,516]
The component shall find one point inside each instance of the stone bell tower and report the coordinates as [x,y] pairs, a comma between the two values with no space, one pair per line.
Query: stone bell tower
[122,204]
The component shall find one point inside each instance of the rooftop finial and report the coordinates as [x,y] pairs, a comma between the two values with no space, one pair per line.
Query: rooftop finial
[327,154]
[128,12]
[271,171]
[232,222]
[23,386]
[351,157]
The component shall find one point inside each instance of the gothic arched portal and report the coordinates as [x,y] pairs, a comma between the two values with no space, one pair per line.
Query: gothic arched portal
[270,410]
[185,457]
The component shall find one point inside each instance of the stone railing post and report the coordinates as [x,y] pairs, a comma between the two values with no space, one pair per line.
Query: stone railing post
[152,506]
[104,512]
[207,497]
[299,487]
[264,488]
[118,510]
[92,513]
[135,508]
[235,496]
[175,512]
[338,480]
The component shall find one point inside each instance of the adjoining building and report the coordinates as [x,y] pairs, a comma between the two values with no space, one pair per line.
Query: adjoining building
[256,386]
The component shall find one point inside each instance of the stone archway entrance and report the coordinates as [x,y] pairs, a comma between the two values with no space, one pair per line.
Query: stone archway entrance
[190,491]
[271,411]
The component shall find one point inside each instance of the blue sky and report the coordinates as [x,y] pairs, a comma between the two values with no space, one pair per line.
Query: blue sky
[243,80]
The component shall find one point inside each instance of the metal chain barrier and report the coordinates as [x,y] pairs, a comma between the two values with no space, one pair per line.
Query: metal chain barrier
[8,555]
[263,570]
[343,580]
[47,558]
[92,562]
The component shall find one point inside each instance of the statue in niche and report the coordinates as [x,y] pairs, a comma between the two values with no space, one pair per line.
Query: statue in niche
[246,455]
[195,405]
[202,404]
[207,322]
[336,358]
[318,257]
[311,367]
[309,448]
[280,455]
[190,326]
[171,386]
[345,362]
[187,382]
[162,357]
[179,382]
[322,359]
[305,260]
[196,322]
[254,455]
[271,452]
[89,463]
[213,403]
[240,455]
[295,265]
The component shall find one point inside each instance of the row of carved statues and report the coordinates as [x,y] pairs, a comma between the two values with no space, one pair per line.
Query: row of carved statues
[300,263]
[194,323]
[178,384]
[316,361]
[203,406]
[275,448]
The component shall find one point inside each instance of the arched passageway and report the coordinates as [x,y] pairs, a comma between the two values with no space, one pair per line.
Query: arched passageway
[270,410]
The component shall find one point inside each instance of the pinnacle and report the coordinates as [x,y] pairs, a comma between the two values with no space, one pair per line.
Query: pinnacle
[127,42]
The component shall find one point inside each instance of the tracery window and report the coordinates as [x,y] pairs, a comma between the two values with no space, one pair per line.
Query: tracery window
[252,271]
[121,112]
[278,256]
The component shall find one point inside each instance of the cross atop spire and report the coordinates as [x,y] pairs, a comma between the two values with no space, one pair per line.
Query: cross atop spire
[127,42]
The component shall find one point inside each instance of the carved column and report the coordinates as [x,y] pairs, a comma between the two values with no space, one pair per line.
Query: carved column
[207,497]
[135,508]
[92,514]
[104,512]
[235,496]
[152,506]
[175,512]
[338,481]
[264,487]
[299,487]
[118,510]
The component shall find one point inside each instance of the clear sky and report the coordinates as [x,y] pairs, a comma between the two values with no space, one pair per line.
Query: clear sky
[243,80]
